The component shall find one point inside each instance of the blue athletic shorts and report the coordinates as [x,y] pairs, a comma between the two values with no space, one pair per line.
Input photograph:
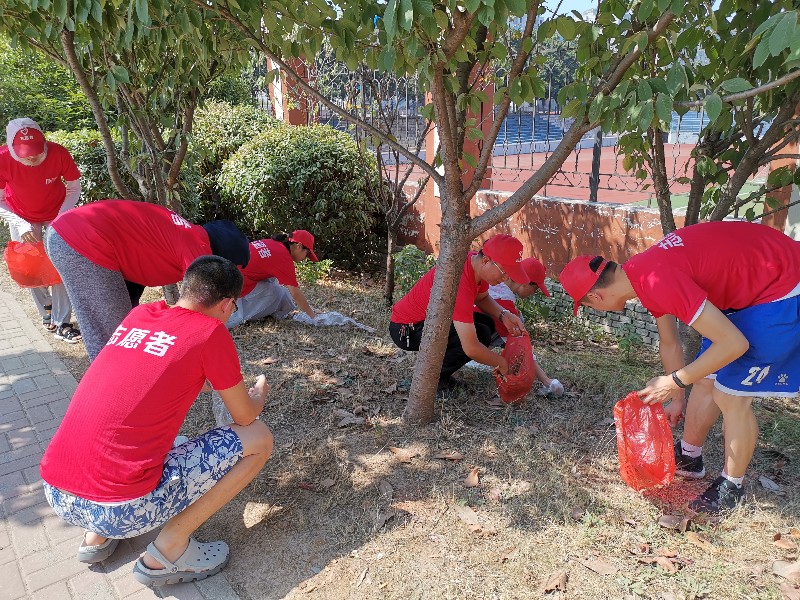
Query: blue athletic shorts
[771,366]
[190,470]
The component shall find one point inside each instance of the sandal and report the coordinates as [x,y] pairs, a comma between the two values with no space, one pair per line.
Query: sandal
[47,320]
[94,554]
[68,333]
[200,560]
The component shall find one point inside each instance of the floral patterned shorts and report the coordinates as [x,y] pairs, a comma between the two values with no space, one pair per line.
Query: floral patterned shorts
[190,470]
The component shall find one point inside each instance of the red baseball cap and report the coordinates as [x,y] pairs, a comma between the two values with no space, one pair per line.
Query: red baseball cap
[506,251]
[28,142]
[301,236]
[577,278]
[535,271]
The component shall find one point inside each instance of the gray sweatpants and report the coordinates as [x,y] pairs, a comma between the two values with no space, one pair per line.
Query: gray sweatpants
[99,296]
[55,296]
[268,298]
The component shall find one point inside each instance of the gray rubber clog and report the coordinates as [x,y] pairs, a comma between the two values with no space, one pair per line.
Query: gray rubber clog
[95,554]
[200,560]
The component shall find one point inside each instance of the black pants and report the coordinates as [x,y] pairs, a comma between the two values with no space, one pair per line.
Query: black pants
[408,337]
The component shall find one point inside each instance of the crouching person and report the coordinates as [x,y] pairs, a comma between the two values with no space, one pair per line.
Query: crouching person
[111,467]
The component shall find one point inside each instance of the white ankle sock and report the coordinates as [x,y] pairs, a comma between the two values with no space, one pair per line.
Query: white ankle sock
[691,451]
[737,480]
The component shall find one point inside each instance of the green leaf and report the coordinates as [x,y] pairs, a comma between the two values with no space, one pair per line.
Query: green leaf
[676,78]
[405,17]
[470,160]
[566,28]
[641,40]
[664,108]
[713,105]
[781,36]
[390,20]
[60,9]
[596,108]
[762,52]
[97,11]
[645,10]
[516,7]
[573,109]
[142,11]
[646,116]
[644,90]
[472,5]
[663,5]
[737,84]
[120,73]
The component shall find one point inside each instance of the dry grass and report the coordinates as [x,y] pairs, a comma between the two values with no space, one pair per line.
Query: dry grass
[335,514]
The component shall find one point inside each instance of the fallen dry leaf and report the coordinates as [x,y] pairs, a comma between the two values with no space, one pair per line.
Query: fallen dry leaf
[449,455]
[666,552]
[699,541]
[784,543]
[509,554]
[468,516]
[556,581]
[360,578]
[268,361]
[577,513]
[631,523]
[666,564]
[343,392]
[789,592]
[307,486]
[342,413]
[310,588]
[391,389]
[360,409]
[495,495]
[402,454]
[496,404]
[787,570]
[351,420]
[384,517]
[326,483]
[472,480]
[794,532]
[385,489]
[599,566]
[670,521]
[771,486]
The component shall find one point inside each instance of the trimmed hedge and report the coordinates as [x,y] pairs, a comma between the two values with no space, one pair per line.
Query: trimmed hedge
[306,178]
[219,129]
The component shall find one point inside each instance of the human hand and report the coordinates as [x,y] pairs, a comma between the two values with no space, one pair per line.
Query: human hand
[260,390]
[514,324]
[29,237]
[659,390]
[556,388]
[501,370]
[674,410]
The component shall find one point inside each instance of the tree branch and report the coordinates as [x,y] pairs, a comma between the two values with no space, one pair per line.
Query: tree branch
[747,93]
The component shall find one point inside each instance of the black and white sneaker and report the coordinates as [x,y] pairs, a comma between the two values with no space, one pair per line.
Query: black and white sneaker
[686,466]
[67,333]
[722,495]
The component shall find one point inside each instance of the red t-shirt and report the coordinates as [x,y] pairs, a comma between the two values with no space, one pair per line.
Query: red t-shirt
[130,404]
[732,264]
[37,193]
[413,307]
[268,258]
[149,244]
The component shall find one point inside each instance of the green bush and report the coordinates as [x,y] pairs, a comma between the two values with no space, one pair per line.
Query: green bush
[306,178]
[219,130]
[311,272]
[86,147]
[410,264]
[233,89]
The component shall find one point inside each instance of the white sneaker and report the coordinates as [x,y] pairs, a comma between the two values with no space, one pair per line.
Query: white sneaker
[556,388]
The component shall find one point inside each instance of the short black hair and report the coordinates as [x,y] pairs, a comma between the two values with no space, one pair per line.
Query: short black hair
[210,279]
[283,238]
[606,275]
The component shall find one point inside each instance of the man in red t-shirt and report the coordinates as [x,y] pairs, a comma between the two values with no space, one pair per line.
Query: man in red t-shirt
[470,332]
[38,181]
[112,469]
[738,285]
[107,252]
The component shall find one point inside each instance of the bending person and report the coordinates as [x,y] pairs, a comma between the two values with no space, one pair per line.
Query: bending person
[470,332]
[738,285]
[111,467]
[270,278]
[107,252]
[39,180]
[506,294]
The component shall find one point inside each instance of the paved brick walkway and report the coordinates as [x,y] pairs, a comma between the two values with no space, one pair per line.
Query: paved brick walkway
[37,549]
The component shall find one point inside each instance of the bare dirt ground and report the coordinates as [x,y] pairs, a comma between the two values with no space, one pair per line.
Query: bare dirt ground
[371,509]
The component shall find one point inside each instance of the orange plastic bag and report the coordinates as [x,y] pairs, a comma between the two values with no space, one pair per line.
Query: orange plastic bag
[644,443]
[29,266]
[521,370]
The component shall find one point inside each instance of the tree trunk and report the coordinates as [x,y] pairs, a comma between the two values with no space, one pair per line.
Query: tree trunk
[455,243]
[661,183]
[388,289]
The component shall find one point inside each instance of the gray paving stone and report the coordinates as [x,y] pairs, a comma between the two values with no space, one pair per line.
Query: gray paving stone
[54,555]
[28,538]
[92,584]
[37,397]
[181,591]
[9,406]
[10,364]
[18,453]
[22,437]
[19,464]
[39,414]
[54,573]
[127,586]
[11,584]
[217,587]
[57,591]
[59,531]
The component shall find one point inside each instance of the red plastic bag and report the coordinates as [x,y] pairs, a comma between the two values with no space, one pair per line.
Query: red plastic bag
[29,266]
[644,443]
[521,370]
